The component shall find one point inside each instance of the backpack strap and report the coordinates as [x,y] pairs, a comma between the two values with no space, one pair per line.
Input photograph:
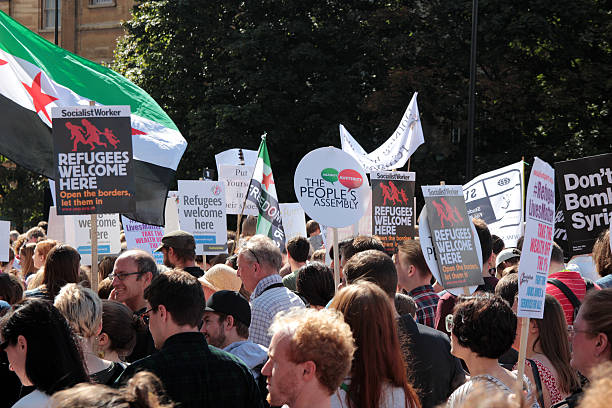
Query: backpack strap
[538,382]
[272,286]
[566,291]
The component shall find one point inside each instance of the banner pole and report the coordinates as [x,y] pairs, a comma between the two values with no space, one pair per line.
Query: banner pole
[93,278]
[336,258]
[523,349]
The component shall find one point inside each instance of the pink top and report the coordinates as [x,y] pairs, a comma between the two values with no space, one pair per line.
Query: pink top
[548,380]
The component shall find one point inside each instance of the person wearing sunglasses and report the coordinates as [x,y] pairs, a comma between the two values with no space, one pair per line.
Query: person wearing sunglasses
[483,328]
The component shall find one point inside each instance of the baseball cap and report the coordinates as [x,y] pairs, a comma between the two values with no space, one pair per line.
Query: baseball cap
[506,254]
[230,303]
[177,239]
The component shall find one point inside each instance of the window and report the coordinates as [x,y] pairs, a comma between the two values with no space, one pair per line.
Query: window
[101,2]
[48,17]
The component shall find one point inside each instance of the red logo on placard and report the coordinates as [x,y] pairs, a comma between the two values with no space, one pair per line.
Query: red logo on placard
[90,135]
[390,192]
[350,178]
[447,213]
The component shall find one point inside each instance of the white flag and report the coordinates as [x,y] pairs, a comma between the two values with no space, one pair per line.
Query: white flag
[394,153]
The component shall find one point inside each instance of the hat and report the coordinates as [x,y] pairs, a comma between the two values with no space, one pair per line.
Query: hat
[230,303]
[221,277]
[506,254]
[177,239]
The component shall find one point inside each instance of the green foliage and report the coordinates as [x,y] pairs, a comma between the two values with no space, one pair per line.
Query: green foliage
[21,195]
[228,71]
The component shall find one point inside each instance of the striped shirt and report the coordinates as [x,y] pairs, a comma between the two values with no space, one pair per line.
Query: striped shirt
[265,304]
[572,280]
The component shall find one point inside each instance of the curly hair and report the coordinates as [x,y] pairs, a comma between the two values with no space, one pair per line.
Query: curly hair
[321,337]
[602,257]
[485,324]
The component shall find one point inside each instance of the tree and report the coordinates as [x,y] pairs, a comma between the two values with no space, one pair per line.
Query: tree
[21,195]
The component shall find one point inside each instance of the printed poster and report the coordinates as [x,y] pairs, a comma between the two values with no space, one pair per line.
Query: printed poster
[294,220]
[539,233]
[143,236]
[237,180]
[78,233]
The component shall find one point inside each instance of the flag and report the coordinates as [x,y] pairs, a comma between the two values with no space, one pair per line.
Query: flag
[36,75]
[262,193]
[396,150]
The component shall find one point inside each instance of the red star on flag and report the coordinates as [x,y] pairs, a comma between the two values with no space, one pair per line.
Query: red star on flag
[39,98]
[2,62]
[267,180]
[137,132]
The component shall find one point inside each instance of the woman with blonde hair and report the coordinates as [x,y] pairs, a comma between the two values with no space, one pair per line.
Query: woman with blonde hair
[378,373]
[82,308]
[39,257]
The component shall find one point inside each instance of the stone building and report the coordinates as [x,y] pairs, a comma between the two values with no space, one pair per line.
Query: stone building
[89,28]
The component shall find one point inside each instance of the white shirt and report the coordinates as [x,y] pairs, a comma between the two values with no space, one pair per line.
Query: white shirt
[390,397]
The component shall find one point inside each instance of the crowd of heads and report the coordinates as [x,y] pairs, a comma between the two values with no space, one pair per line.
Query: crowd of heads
[348,343]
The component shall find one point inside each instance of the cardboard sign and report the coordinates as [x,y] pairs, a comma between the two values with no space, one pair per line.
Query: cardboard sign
[78,231]
[392,207]
[453,239]
[331,187]
[429,251]
[143,236]
[539,233]
[92,148]
[585,186]
[237,180]
[294,220]
[5,229]
[496,197]
[171,215]
[202,213]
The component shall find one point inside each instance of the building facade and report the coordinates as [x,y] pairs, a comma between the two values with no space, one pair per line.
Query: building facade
[89,28]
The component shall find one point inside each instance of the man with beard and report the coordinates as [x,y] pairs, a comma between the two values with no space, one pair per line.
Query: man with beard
[178,248]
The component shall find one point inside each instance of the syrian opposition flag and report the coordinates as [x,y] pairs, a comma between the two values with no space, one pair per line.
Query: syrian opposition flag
[36,75]
[262,193]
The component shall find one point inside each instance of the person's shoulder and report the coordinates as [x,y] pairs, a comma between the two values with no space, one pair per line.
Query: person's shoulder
[35,399]
[222,361]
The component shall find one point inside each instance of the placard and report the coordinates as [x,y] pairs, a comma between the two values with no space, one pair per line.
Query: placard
[143,236]
[237,180]
[585,187]
[429,252]
[93,160]
[539,232]
[236,157]
[201,210]
[78,232]
[5,230]
[171,215]
[331,187]
[294,220]
[392,207]
[496,197]
[454,242]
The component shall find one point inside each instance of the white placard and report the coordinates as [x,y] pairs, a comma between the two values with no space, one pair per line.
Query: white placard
[202,213]
[143,236]
[539,233]
[57,228]
[237,180]
[5,230]
[78,228]
[232,157]
[294,220]
[429,252]
[331,187]
[171,214]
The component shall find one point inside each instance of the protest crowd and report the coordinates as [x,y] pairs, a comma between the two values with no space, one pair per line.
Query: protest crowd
[267,328]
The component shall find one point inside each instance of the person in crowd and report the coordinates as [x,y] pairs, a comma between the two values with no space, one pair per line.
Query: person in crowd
[434,371]
[310,354]
[11,290]
[193,374]
[35,234]
[26,254]
[219,277]
[132,274]
[548,349]
[248,229]
[315,284]
[297,255]
[258,264]
[599,392]
[44,225]
[42,351]
[83,310]
[359,244]
[13,235]
[557,261]
[414,278]
[61,267]
[507,289]
[482,328]
[6,267]
[602,257]
[226,326]
[405,305]
[447,300]
[318,256]
[105,267]
[144,390]
[506,258]
[178,248]
[312,228]
[105,287]
[378,374]
[497,245]
[119,332]
[39,257]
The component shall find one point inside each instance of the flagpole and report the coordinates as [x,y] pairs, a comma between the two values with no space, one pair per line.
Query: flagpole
[56,22]
[94,240]
[472,96]
[336,258]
